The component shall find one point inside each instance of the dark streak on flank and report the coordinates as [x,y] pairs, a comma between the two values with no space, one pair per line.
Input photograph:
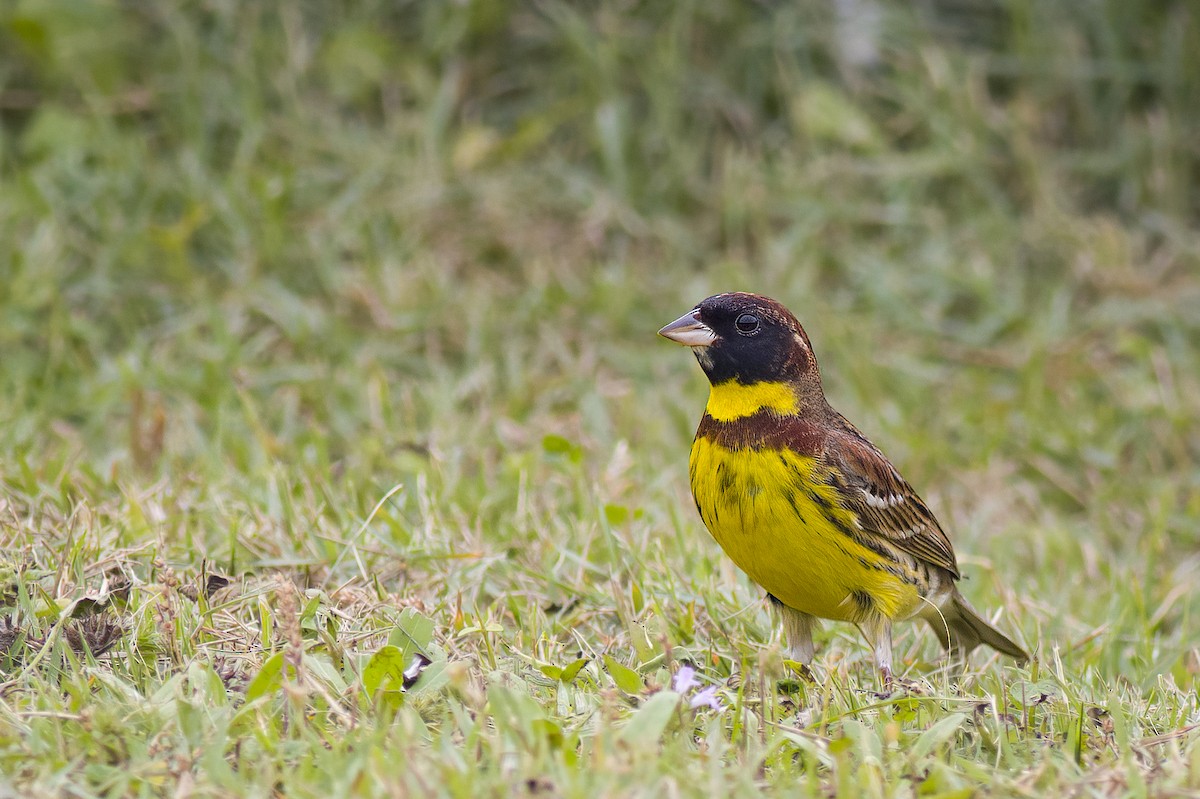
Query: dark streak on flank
[843,550]
[892,560]
[819,500]
[791,498]
[865,603]
[725,478]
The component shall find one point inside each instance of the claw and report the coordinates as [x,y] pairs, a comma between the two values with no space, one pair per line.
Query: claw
[893,685]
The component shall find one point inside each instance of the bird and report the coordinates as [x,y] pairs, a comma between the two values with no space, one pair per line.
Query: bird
[803,502]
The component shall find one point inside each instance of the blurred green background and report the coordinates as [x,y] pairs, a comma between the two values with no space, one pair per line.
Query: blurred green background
[306,238]
[261,262]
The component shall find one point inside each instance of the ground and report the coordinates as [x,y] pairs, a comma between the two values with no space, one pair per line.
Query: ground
[338,456]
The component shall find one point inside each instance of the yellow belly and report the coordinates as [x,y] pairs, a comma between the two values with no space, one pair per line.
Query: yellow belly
[765,508]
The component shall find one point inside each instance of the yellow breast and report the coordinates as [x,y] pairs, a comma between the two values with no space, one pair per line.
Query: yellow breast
[781,522]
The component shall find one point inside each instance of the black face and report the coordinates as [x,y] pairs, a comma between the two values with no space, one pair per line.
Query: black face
[757,339]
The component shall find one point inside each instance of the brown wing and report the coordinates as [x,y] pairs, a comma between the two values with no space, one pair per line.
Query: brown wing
[885,503]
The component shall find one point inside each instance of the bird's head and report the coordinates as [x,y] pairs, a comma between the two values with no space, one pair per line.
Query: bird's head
[747,338]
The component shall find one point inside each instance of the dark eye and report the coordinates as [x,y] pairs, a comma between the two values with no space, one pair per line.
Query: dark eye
[747,324]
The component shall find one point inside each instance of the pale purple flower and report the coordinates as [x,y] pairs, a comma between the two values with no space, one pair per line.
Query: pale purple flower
[706,697]
[685,680]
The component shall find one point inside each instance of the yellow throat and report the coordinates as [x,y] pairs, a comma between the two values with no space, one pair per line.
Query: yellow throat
[733,400]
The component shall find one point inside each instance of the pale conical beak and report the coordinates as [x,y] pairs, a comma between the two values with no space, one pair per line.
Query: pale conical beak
[689,331]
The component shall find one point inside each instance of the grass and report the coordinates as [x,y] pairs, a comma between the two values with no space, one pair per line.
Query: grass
[327,348]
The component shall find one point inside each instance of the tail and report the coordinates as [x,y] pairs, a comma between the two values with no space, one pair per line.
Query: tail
[960,629]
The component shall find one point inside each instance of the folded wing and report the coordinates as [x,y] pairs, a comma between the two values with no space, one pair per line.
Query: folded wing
[886,505]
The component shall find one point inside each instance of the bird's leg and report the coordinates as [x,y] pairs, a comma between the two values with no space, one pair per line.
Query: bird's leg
[882,641]
[798,630]
[880,635]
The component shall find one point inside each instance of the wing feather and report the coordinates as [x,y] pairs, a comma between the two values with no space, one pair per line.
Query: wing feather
[886,505]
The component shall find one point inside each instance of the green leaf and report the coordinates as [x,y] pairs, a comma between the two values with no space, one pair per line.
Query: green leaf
[308,616]
[31,33]
[412,634]
[906,709]
[268,680]
[384,670]
[512,709]
[207,684]
[937,735]
[865,738]
[433,678]
[616,515]
[636,598]
[626,678]
[321,667]
[959,793]
[564,673]
[812,745]
[551,731]
[646,726]
[571,671]
[839,745]
[264,622]
[557,445]
[825,113]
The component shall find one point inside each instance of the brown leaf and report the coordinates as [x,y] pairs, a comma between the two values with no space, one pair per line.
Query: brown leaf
[96,634]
